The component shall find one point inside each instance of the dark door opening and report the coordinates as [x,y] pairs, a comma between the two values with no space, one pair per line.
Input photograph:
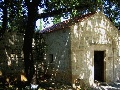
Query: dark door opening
[99,66]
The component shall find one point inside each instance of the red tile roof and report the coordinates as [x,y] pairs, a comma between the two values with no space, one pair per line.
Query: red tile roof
[66,23]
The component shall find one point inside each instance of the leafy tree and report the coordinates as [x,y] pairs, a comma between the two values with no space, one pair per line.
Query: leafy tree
[4,7]
[13,17]
[112,11]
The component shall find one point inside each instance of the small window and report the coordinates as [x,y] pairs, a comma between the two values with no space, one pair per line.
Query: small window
[51,58]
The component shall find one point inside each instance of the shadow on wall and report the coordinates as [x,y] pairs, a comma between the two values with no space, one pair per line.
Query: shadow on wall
[12,59]
[88,36]
[11,55]
[58,56]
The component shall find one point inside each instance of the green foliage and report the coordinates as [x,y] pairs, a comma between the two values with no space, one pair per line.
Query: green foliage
[17,10]
[40,25]
[112,11]
[56,19]
[80,7]
[15,16]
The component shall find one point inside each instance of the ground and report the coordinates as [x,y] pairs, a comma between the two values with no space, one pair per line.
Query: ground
[108,86]
[99,86]
[52,85]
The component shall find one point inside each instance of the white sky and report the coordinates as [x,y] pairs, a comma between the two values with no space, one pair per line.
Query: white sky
[50,22]
[49,19]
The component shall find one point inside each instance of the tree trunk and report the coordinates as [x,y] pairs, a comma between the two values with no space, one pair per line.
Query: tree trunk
[27,47]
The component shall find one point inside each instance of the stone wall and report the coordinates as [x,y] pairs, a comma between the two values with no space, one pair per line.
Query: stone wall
[117,70]
[58,45]
[11,55]
[71,50]
[96,33]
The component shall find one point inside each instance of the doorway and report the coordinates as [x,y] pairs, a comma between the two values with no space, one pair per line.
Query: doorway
[99,66]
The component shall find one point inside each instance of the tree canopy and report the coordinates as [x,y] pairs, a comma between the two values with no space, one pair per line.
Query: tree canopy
[18,9]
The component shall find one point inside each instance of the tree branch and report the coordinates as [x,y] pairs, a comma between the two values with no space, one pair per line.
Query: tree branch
[62,10]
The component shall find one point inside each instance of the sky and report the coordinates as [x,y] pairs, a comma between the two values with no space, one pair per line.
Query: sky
[49,19]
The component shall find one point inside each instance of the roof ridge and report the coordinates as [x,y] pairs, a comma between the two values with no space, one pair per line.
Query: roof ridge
[66,23]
